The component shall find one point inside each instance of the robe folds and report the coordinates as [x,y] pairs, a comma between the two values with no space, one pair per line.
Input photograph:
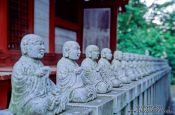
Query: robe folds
[30,92]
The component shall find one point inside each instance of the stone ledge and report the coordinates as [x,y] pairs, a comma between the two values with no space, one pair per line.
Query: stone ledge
[77,111]
[100,106]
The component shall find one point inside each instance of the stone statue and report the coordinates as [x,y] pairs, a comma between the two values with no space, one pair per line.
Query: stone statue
[33,93]
[138,67]
[132,66]
[104,64]
[129,67]
[92,70]
[119,67]
[70,75]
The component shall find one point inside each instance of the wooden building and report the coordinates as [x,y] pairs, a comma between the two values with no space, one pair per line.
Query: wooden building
[56,21]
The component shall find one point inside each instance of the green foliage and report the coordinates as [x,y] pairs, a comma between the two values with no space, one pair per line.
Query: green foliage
[136,35]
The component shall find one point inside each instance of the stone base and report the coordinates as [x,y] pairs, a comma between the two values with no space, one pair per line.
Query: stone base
[100,106]
[119,98]
[5,112]
[130,89]
[77,111]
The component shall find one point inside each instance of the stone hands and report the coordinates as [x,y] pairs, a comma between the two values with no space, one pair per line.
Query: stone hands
[78,71]
[71,77]
[43,71]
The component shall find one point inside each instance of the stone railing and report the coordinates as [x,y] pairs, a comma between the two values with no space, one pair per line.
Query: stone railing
[148,94]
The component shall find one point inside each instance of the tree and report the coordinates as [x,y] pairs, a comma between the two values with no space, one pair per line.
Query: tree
[137,34]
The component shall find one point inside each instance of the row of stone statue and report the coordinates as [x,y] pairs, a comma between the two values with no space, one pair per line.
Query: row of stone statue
[34,93]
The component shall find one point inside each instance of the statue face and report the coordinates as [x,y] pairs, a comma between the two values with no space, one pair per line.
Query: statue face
[118,56]
[126,56]
[36,48]
[74,52]
[109,55]
[95,54]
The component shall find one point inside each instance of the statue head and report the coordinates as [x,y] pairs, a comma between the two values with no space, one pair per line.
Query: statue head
[106,53]
[32,46]
[118,55]
[92,51]
[71,50]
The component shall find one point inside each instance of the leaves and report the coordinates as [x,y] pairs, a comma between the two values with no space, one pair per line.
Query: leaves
[136,35]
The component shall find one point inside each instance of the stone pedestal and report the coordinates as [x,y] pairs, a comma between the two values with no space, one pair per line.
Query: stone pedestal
[100,106]
[77,111]
[5,112]
[119,99]
[130,89]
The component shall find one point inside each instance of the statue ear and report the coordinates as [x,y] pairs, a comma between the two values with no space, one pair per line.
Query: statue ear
[66,52]
[90,54]
[24,50]
[103,55]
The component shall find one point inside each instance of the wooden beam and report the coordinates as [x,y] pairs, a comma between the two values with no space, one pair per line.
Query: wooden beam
[4,25]
[107,3]
[31,16]
[113,28]
[67,25]
[52,27]
[80,23]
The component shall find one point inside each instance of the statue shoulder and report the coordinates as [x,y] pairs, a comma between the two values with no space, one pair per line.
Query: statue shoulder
[86,63]
[21,64]
[63,62]
[101,61]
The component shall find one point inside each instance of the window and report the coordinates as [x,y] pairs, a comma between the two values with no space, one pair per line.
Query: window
[96,28]
[61,36]
[18,22]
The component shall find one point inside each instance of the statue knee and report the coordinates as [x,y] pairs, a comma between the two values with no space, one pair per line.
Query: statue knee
[102,87]
[79,95]
[36,107]
[116,83]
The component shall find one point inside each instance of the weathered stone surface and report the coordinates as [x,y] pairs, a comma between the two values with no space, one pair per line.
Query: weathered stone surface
[106,68]
[119,98]
[94,73]
[118,67]
[70,75]
[77,111]
[5,112]
[32,90]
[100,106]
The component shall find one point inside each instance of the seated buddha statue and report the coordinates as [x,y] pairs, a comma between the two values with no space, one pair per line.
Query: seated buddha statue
[104,64]
[93,71]
[70,75]
[33,93]
[118,66]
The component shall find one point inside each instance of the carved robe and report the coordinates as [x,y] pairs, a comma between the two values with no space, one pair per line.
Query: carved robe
[32,94]
[101,84]
[72,83]
[108,73]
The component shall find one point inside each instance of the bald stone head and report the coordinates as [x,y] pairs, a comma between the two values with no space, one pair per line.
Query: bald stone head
[118,55]
[92,51]
[32,46]
[106,53]
[71,50]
